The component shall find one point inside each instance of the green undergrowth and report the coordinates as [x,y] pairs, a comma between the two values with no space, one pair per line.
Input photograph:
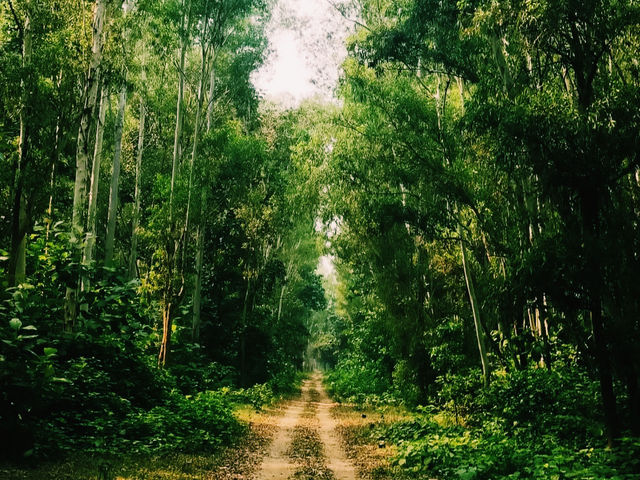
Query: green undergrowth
[98,389]
[280,387]
[532,424]
[101,396]
[490,452]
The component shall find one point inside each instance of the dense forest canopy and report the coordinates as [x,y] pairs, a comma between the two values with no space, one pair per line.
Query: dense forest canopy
[473,193]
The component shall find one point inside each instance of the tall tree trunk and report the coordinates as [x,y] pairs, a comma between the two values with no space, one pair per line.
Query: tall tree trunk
[167,307]
[520,357]
[196,133]
[89,95]
[543,313]
[212,83]
[133,255]
[197,288]
[282,290]
[172,245]
[590,215]
[19,219]
[184,41]
[55,158]
[243,337]
[284,284]
[486,368]
[90,242]
[633,390]
[115,179]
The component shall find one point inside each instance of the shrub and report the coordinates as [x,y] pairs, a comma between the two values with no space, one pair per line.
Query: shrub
[192,423]
[355,380]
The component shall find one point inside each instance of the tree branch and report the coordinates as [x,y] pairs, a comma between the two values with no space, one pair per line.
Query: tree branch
[355,22]
[16,19]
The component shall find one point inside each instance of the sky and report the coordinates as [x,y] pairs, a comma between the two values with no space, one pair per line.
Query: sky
[306,49]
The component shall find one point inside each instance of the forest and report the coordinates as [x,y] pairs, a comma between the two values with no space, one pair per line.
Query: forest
[449,244]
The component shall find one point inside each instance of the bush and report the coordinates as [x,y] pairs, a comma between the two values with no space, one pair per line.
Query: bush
[530,424]
[490,454]
[190,424]
[97,389]
[286,381]
[355,381]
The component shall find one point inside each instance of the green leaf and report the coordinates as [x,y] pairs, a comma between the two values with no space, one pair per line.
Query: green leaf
[30,327]
[26,337]
[61,380]
[50,351]
[15,323]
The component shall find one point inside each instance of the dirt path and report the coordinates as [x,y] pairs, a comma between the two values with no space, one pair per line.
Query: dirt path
[276,465]
[306,445]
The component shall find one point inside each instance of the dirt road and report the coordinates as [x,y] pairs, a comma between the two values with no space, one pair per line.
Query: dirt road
[306,445]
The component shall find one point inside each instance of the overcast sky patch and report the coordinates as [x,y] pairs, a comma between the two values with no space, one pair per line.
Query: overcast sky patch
[306,49]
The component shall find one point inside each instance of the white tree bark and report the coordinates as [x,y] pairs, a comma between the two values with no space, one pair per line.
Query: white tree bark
[115,179]
[90,239]
[133,256]
[90,95]
[197,287]
[18,255]
[90,98]
[184,42]
[486,369]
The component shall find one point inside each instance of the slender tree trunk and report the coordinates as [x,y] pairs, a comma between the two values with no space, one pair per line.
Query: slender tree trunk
[633,390]
[90,95]
[197,288]
[543,313]
[212,83]
[173,241]
[133,256]
[55,158]
[90,242]
[19,220]
[486,372]
[590,217]
[167,307]
[282,290]
[196,134]
[115,179]
[90,98]
[18,253]
[460,83]
[518,330]
[179,121]
[243,337]
[284,285]
[497,47]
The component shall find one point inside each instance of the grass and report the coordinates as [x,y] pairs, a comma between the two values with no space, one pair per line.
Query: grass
[359,428]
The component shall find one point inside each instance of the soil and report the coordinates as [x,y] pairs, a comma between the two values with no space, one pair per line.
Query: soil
[307,445]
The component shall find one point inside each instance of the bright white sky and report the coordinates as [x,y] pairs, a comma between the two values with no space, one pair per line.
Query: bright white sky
[306,49]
